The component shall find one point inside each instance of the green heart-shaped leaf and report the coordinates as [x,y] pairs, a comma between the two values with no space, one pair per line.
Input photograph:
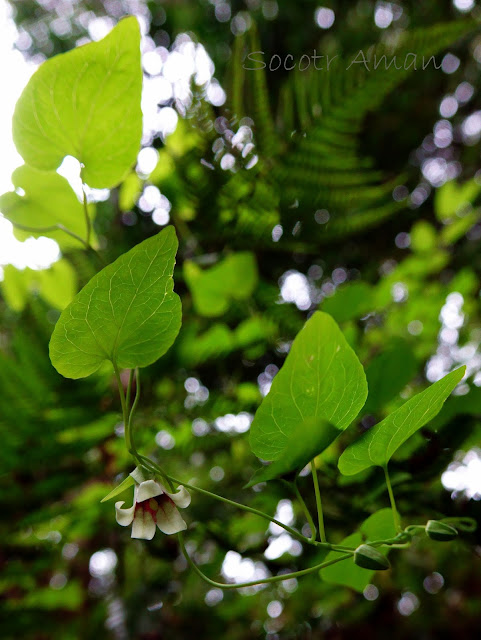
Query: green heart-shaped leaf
[128,313]
[321,381]
[86,104]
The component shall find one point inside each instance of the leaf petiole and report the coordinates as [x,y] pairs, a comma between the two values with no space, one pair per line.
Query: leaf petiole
[320,515]
[395,512]
[88,223]
[307,513]
[128,422]
[50,229]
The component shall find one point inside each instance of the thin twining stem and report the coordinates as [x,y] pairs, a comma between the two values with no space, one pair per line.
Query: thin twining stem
[155,469]
[253,583]
[128,416]
[400,539]
[244,507]
[129,425]
[307,513]
[293,532]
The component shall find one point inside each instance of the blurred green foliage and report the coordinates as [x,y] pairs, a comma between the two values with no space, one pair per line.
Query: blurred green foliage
[402,280]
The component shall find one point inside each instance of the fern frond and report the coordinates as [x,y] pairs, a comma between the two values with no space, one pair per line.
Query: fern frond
[314,161]
[343,100]
[250,95]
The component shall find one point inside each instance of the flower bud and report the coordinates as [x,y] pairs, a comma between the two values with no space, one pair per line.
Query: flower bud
[440,531]
[368,557]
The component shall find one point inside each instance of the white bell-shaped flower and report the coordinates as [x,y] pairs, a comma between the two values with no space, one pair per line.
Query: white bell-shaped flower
[153,506]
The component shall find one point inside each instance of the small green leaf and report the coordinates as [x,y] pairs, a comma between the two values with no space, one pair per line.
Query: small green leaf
[321,381]
[194,349]
[128,313]
[351,301]
[57,285]
[235,278]
[125,484]
[379,526]
[456,229]
[15,288]
[452,198]
[423,237]
[254,329]
[129,191]
[86,104]
[44,199]
[376,446]
[316,436]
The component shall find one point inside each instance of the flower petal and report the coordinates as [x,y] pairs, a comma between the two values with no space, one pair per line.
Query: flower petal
[169,519]
[181,497]
[124,516]
[138,475]
[144,525]
[146,490]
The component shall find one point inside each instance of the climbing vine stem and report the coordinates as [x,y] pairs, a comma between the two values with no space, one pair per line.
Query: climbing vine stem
[395,512]
[253,583]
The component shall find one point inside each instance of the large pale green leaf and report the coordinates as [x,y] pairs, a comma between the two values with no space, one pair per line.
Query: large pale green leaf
[235,278]
[376,446]
[321,381]
[44,199]
[379,526]
[86,104]
[128,313]
[316,436]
